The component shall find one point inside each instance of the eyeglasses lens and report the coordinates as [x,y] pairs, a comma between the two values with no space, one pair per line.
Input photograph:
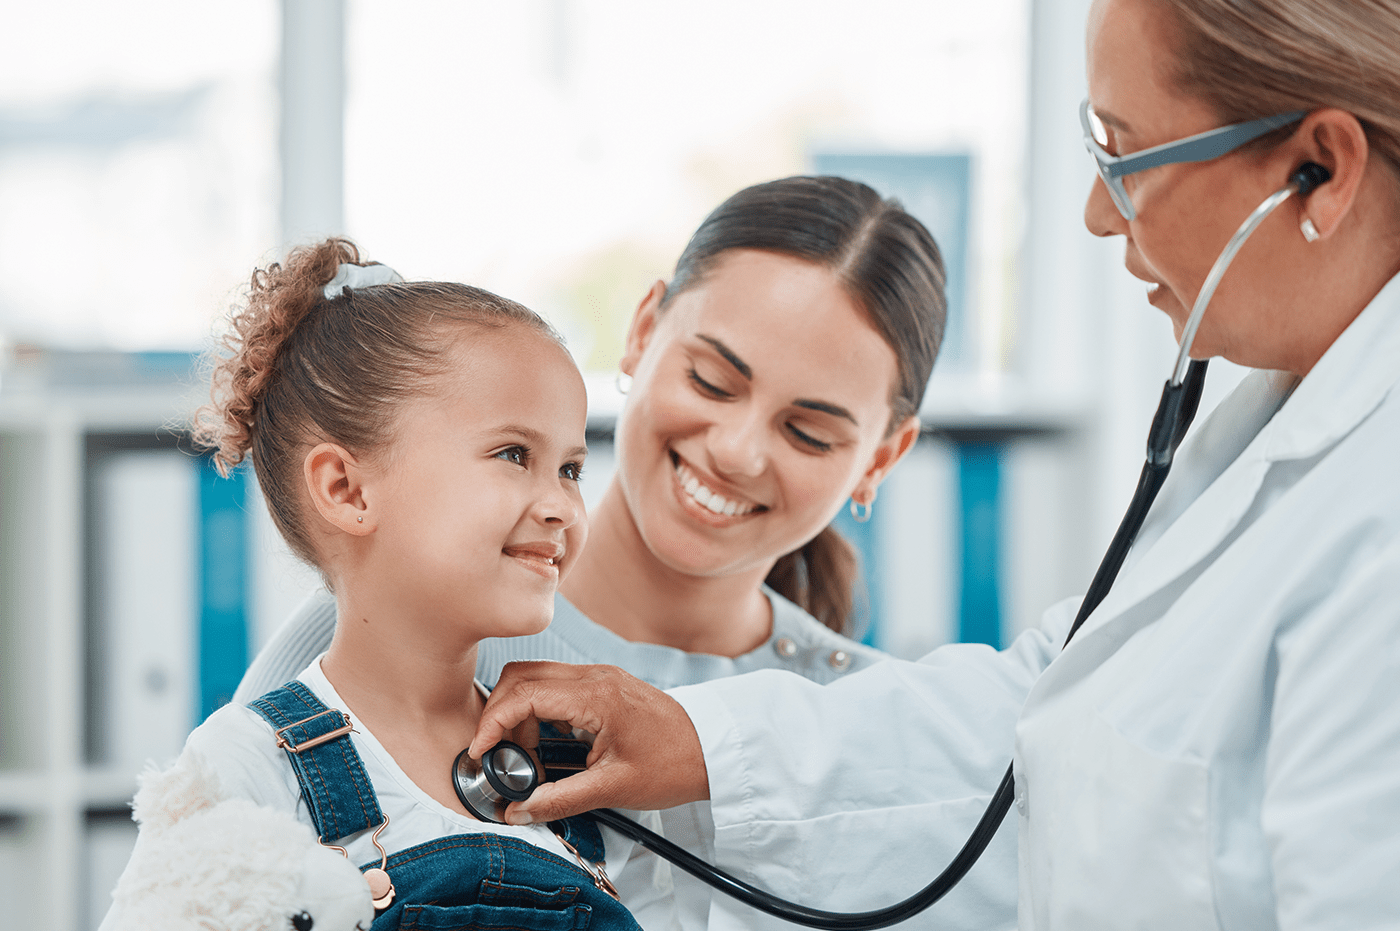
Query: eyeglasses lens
[1096,127]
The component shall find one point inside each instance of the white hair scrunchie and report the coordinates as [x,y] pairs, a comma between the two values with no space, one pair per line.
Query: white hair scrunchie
[359,276]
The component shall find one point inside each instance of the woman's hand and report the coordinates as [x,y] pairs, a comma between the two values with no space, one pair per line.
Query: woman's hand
[646,754]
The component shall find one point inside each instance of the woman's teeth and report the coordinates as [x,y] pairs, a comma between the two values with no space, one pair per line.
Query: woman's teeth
[702,496]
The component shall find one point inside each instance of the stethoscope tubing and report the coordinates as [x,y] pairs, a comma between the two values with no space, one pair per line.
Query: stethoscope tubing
[1180,399]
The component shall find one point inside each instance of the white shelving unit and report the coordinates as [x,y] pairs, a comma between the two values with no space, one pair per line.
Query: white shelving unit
[64,821]
[48,790]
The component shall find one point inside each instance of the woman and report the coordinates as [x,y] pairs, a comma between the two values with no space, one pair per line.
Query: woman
[1219,745]
[776,376]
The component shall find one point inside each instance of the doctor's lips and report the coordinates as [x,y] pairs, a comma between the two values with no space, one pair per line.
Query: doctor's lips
[712,501]
[1153,286]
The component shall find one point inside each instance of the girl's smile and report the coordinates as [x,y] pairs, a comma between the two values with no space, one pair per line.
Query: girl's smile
[476,506]
[541,558]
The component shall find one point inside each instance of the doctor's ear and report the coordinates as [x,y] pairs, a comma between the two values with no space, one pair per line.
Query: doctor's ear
[1336,140]
[336,484]
[643,325]
[887,455]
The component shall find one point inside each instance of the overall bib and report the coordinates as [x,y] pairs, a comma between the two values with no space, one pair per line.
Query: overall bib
[462,881]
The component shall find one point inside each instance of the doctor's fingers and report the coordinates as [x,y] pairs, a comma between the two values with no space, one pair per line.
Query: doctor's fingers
[625,771]
[607,783]
[645,755]
[527,693]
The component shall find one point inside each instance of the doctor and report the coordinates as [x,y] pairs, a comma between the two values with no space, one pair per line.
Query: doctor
[1219,747]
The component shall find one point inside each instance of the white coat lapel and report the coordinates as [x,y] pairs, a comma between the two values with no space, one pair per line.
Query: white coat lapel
[1221,467]
[1212,485]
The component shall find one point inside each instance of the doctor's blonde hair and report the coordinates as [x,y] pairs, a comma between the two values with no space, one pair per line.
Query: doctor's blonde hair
[1253,58]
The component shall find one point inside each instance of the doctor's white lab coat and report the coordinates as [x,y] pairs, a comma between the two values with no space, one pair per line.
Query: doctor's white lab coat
[1219,747]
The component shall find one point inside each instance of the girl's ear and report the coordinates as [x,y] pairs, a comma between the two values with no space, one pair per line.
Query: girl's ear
[887,455]
[336,483]
[643,323]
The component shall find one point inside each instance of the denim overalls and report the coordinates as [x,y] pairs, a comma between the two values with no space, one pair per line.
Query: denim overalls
[461,881]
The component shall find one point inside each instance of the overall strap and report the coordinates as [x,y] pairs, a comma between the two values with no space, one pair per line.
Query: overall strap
[332,776]
[562,756]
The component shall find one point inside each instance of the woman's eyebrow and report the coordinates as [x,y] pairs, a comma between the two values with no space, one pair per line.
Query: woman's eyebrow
[729,355]
[743,367]
[826,408]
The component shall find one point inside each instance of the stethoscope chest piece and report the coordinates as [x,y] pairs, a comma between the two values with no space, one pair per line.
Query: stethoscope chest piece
[505,774]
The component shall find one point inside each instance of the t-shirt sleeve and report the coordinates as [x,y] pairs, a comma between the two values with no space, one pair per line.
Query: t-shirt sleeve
[238,748]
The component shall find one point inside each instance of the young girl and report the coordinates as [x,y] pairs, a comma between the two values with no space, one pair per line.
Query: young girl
[777,376]
[421,445]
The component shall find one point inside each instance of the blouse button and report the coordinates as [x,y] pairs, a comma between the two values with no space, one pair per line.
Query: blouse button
[839,660]
[785,648]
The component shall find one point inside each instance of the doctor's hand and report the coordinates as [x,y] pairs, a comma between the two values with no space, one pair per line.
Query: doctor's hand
[646,754]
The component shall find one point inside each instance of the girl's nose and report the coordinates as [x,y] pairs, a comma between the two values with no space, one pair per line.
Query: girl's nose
[560,505]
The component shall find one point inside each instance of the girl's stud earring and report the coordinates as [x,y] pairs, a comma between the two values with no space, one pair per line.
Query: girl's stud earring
[359,520]
[1310,232]
[622,381]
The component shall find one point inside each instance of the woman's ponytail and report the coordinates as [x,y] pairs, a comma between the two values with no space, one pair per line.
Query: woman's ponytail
[820,578]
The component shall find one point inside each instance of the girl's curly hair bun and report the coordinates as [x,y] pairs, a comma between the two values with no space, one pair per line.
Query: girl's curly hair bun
[280,297]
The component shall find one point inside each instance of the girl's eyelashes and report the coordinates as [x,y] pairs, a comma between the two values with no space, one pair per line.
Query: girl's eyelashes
[808,440]
[521,456]
[705,387]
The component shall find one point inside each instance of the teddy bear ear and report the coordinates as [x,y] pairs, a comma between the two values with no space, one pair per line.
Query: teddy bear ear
[170,795]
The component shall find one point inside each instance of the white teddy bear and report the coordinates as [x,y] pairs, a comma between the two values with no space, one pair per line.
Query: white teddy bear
[215,864]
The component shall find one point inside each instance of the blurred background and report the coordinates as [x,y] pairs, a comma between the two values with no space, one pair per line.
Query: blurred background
[560,152]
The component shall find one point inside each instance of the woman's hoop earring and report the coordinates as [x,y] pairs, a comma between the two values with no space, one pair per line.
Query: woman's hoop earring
[1310,232]
[622,381]
[860,513]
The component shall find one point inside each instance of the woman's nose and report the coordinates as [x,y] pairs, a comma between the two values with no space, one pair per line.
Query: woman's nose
[1101,215]
[738,444]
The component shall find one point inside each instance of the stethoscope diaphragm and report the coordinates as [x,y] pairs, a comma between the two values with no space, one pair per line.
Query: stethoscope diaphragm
[505,774]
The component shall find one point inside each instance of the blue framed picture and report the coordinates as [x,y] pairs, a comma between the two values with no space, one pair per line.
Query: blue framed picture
[937,190]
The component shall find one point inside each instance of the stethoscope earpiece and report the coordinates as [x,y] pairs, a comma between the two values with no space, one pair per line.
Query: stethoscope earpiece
[1308,176]
[505,774]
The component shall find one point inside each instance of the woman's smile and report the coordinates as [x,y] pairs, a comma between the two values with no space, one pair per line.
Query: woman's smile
[703,494]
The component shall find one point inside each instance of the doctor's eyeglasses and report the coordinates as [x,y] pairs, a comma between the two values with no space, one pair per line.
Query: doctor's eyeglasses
[1201,147]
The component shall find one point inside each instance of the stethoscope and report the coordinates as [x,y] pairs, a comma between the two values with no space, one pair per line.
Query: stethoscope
[507,772]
